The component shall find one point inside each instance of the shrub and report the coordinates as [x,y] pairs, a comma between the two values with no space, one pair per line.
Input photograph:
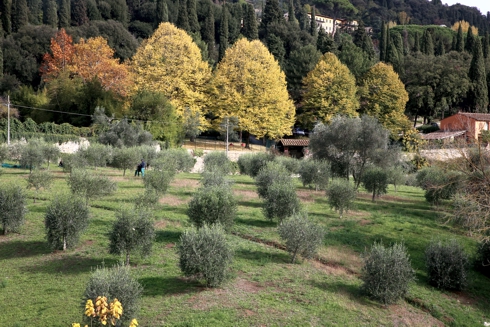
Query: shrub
[176,159]
[132,231]
[341,195]
[115,282]
[198,152]
[447,265]
[244,163]
[375,180]
[90,186]
[215,178]
[301,235]
[314,172]
[482,260]
[397,176]
[97,155]
[4,152]
[213,205]
[32,155]
[66,218]
[217,161]
[12,207]
[291,164]
[272,172]
[148,153]
[258,161]
[73,161]
[281,201]
[149,199]
[125,158]
[39,179]
[205,254]
[158,181]
[438,184]
[386,273]
[51,152]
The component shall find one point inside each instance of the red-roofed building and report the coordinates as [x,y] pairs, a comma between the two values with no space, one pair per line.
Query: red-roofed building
[293,147]
[472,123]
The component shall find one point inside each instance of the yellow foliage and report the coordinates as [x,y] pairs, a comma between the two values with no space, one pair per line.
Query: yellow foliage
[391,24]
[465,26]
[403,18]
[94,59]
[383,95]
[170,62]
[330,89]
[412,141]
[249,84]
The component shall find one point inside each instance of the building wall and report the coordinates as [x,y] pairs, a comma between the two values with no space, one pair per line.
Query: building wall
[460,122]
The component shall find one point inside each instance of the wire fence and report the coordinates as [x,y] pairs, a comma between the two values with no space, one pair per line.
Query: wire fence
[205,144]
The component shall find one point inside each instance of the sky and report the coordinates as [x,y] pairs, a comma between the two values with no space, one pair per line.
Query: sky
[483,5]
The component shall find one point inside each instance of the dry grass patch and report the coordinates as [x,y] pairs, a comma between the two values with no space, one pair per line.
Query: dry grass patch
[172,200]
[346,258]
[246,195]
[185,183]
[310,195]
[406,315]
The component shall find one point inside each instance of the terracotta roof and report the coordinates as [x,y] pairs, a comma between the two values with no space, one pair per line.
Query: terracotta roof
[441,135]
[476,116]
[294,142]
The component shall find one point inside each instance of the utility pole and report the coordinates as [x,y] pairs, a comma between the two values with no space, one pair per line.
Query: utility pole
[8,119]
[227,137]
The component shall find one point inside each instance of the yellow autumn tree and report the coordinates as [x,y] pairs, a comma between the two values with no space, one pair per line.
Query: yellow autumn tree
[171,63]
[465,26]
[329,90]
[249,85]
[383,95]
[94,59]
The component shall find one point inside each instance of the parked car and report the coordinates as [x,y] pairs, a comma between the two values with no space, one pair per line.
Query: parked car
[298,131]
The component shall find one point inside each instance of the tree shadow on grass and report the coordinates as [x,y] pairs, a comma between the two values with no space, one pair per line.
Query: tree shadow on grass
[22,249]
[68,264]
[158,286]
[251,204]
[256,222]
[353,292]
[167,236]
[263,257]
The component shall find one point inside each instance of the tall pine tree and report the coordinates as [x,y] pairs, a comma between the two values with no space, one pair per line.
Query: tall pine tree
[162,12]
[416,43]
[182,18]
[470,40]
[223,33]
[428,43]
[50,15]
[64,16]
[383,42]
[313,24]
[363,41]
[192,16]
[250,27]
[6,15]
[271,14]
[486,45]
[478,77]
[291,15]
[460,39]
[207,31]
[20,15]
[79,12]
[440,51]
[324,41]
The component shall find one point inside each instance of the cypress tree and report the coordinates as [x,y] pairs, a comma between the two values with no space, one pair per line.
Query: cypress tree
[392,56]
[470,40]
[192,16]
[223,33]
[427,43]
[440,51]
[416,43]
[485,45]
[453,45]
[324,41]
[478,77]
[398,43]
[276,47]
[93,12]
[6,15]
[79,12]
[271,13]
[1,62]
[208,31]
[50,16]
[34,11]
[120,11]
[250,28]
[291,14]
[162,12]
[20,15]
[383,46]
[313,25]
[182,19]
[460,39]
[64,17]
[302,16]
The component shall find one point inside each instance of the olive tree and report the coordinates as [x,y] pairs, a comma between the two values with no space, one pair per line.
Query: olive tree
[39,179]
[90,186]
[375,180]
[272,172]
[12,207]
[158,181]
[51,152]
[217,161]
[125,158]
[281,201]
[66,218]
[133,231]
[340,195]
[302,236]
[97,155]
[32,155]
[4,152]
[314,172]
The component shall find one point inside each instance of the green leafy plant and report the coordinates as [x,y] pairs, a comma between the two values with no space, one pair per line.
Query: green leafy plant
[39,179]
[341,195]
[375,180]
[12,207]
[90,186]
[272,172]
[281,201]
[314,173]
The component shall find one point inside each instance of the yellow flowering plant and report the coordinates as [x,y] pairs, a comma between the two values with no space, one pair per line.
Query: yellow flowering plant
[104,313]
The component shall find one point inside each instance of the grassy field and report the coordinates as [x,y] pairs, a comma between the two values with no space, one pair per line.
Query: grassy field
[42,288]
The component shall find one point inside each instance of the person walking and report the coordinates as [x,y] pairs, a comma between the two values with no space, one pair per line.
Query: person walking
[143,166]
[138,170]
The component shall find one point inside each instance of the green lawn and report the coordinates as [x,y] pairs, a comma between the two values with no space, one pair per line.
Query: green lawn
[42,288]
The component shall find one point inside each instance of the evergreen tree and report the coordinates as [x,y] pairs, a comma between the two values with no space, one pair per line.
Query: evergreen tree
[223,33]
[120,11]
[20,15]
[271,14]
[460,39]
[392,57]
[50,16]
[79,12]
[291,15]
[6,15]
[1,62]
[383,46]
[250,28]
[478,77]
[470,40]
[324,41]
[234,22]
[453,45]
[485,45]
[302,17]
[162,12]
[34,11]
[207,31]
[427,43]
[416,43]
[182,18]
[363,41]
[192,16]
[64,18]
[93,12]
[440,51]
[276,47]
[313,25]
[398,43]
